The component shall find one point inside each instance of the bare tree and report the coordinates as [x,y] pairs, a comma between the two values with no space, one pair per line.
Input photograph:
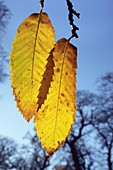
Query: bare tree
[13,156]
[7,152]
[103,118]
[38,158]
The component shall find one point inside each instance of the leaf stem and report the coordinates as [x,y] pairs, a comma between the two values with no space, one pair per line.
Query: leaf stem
[72,36]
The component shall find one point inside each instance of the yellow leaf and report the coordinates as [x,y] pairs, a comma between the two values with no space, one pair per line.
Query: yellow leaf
[30,51]
[55,117]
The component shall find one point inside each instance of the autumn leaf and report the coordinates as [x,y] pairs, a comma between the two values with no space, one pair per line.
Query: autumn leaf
[55,117]
[30,51]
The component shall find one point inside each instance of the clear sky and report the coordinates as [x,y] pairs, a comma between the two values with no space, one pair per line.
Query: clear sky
[95,49]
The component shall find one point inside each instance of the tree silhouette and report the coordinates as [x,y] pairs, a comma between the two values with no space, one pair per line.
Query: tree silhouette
[38,158]
[103,118]
[13,156]
[7,152]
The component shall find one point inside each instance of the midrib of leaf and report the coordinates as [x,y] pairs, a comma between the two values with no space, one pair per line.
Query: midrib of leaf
[32,72]
[33,58]
[59,89]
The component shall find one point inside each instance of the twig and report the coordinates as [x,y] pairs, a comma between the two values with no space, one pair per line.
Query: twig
[71,20]
[42,4]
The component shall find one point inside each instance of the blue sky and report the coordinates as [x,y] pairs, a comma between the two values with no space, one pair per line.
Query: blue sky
[95,49]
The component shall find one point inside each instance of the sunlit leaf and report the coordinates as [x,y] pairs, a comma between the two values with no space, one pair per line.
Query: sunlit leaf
[30,51]
[55,117]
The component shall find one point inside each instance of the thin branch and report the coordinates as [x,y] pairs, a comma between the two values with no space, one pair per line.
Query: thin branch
[42,4]
[71,20]
[102,135]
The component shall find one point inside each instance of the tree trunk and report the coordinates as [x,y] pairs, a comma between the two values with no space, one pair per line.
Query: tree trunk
[75,156]
[109,159]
